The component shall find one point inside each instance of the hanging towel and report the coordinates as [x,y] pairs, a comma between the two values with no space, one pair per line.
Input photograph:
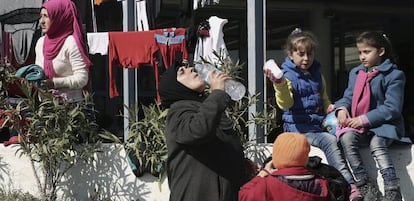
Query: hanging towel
[206,46]
[98,43]
[31,72]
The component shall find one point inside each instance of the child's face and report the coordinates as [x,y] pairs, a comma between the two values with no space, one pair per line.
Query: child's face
[370,56]
[303,57]
[189,78]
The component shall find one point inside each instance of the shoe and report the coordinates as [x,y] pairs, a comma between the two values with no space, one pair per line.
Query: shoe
[392,195]
[355,194]
[370,192]
[12,140]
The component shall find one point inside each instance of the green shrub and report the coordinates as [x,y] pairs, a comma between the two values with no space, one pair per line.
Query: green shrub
[55,134]
[16,196]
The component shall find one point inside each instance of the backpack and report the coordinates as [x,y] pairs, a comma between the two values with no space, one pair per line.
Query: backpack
[339,189]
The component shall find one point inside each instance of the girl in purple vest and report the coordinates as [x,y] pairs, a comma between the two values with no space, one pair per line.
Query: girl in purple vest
[370,114]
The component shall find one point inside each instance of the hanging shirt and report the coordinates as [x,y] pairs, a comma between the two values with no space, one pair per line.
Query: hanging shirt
[206,46]
[98,43]
[22,37]
[130,50]
[171,41]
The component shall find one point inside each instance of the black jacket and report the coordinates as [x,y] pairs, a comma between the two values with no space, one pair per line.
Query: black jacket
[205,157]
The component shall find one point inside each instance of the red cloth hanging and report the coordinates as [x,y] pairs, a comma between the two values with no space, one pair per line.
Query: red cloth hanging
[130,50]
[172,41]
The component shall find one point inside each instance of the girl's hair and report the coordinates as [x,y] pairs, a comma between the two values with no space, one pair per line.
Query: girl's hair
[304,38]
[377,40]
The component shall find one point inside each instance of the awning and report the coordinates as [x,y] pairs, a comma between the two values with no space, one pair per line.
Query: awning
[19,11]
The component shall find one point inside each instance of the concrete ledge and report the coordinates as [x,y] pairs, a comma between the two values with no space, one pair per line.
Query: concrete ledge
[402,156]
[111,176]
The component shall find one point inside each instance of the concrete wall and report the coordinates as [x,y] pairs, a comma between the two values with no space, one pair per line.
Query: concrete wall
[112,177]
[110,174]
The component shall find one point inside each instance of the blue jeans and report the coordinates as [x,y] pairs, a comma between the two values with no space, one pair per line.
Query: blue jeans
[329,145]
[351,142]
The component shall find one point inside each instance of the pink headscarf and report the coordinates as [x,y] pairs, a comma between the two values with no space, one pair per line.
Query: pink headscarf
[64,21]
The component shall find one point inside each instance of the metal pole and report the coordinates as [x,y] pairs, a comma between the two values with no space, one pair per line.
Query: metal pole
[95,28]
[129,98]
[256,56]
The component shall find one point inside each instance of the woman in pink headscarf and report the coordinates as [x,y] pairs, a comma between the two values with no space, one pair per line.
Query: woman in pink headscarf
[62,51]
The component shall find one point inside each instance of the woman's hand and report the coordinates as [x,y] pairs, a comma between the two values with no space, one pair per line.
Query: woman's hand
[217,80]
[49,83]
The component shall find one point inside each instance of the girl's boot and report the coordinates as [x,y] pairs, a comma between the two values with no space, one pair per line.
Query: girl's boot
[392,193]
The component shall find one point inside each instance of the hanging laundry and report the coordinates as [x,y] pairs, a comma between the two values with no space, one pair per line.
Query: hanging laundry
[6,49]
[170,42]
[212,42]
[130,50]
[98,43]
[141,13]
[204,3]
[22,39]
[203,29]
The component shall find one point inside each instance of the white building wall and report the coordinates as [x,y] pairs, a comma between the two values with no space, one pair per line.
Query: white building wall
[111,176]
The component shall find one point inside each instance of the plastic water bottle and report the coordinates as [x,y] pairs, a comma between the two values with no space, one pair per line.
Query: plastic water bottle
[234,89]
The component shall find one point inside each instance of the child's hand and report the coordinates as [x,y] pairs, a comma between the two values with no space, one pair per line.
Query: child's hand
[330,108]
[267,169]
[272,71]
[342,117]
[355,122]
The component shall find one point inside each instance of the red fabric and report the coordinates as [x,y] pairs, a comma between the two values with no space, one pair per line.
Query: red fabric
[19,124]
[130,50]
[169,51]
[270,188]
[64,21]
[12,140]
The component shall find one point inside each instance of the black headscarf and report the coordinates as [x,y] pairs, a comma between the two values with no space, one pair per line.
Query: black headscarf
[171,90]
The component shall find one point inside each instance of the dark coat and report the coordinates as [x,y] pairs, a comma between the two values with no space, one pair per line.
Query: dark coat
[205,157]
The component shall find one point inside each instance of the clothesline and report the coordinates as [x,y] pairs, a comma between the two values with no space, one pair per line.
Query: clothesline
[133,49]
